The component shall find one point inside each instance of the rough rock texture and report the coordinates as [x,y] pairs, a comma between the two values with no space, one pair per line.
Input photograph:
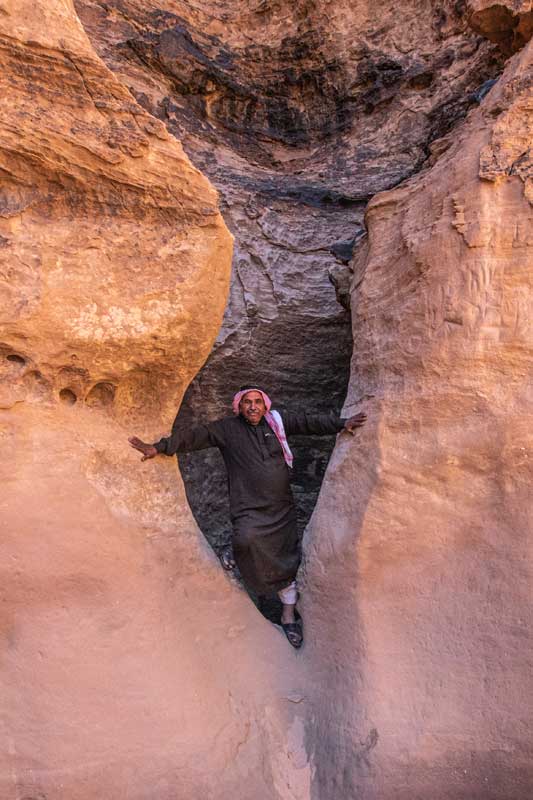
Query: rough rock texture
[131,668]
[425,520]
[509,24]
[299,113]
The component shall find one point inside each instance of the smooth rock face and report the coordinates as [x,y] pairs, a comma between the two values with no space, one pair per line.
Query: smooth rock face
[130,666]
[420,540]
[299,113]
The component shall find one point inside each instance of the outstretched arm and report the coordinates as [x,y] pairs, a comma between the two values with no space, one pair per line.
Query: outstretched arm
[320,424]
[180,441]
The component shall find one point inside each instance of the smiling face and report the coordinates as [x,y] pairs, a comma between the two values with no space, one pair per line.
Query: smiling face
[252,407]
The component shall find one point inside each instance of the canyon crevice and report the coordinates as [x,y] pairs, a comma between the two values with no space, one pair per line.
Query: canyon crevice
[374,170]
[298,114]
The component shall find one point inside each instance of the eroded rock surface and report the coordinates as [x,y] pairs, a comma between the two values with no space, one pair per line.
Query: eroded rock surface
[424,520]
[130,666]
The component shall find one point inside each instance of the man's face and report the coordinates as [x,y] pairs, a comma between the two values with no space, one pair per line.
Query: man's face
[252,407]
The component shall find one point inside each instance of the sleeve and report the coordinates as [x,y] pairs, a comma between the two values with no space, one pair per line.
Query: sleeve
[199,437]
[312,424]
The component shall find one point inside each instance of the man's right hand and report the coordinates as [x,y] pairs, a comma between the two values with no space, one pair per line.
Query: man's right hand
[148,450]
[355,422]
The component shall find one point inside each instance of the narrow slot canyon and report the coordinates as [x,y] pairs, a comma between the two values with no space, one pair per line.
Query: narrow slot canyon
[297,122]
[331,201]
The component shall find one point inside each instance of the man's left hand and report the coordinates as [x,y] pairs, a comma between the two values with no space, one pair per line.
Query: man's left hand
[148,450]
[355,422]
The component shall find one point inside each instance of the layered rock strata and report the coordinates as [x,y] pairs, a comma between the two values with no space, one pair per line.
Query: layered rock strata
[424,520]
[130,666]
[299,113]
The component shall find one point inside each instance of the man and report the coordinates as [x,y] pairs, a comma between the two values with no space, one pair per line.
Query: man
[254,446]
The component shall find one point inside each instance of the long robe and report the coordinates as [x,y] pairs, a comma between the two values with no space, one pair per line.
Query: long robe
[262,510]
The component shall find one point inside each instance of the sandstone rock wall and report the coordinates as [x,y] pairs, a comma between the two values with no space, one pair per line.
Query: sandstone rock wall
[130,667]
[424,520]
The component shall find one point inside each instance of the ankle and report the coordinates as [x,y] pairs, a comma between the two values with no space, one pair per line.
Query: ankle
[287,613]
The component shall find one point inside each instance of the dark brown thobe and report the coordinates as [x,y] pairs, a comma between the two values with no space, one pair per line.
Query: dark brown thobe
[263,515]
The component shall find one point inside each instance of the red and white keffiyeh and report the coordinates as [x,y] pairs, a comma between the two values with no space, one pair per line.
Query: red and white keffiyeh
[273,419]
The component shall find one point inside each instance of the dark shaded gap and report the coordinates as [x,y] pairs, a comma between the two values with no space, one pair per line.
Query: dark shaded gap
[312,378]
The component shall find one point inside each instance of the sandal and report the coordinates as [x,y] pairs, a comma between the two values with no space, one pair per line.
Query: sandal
[294,633]
[226,558]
